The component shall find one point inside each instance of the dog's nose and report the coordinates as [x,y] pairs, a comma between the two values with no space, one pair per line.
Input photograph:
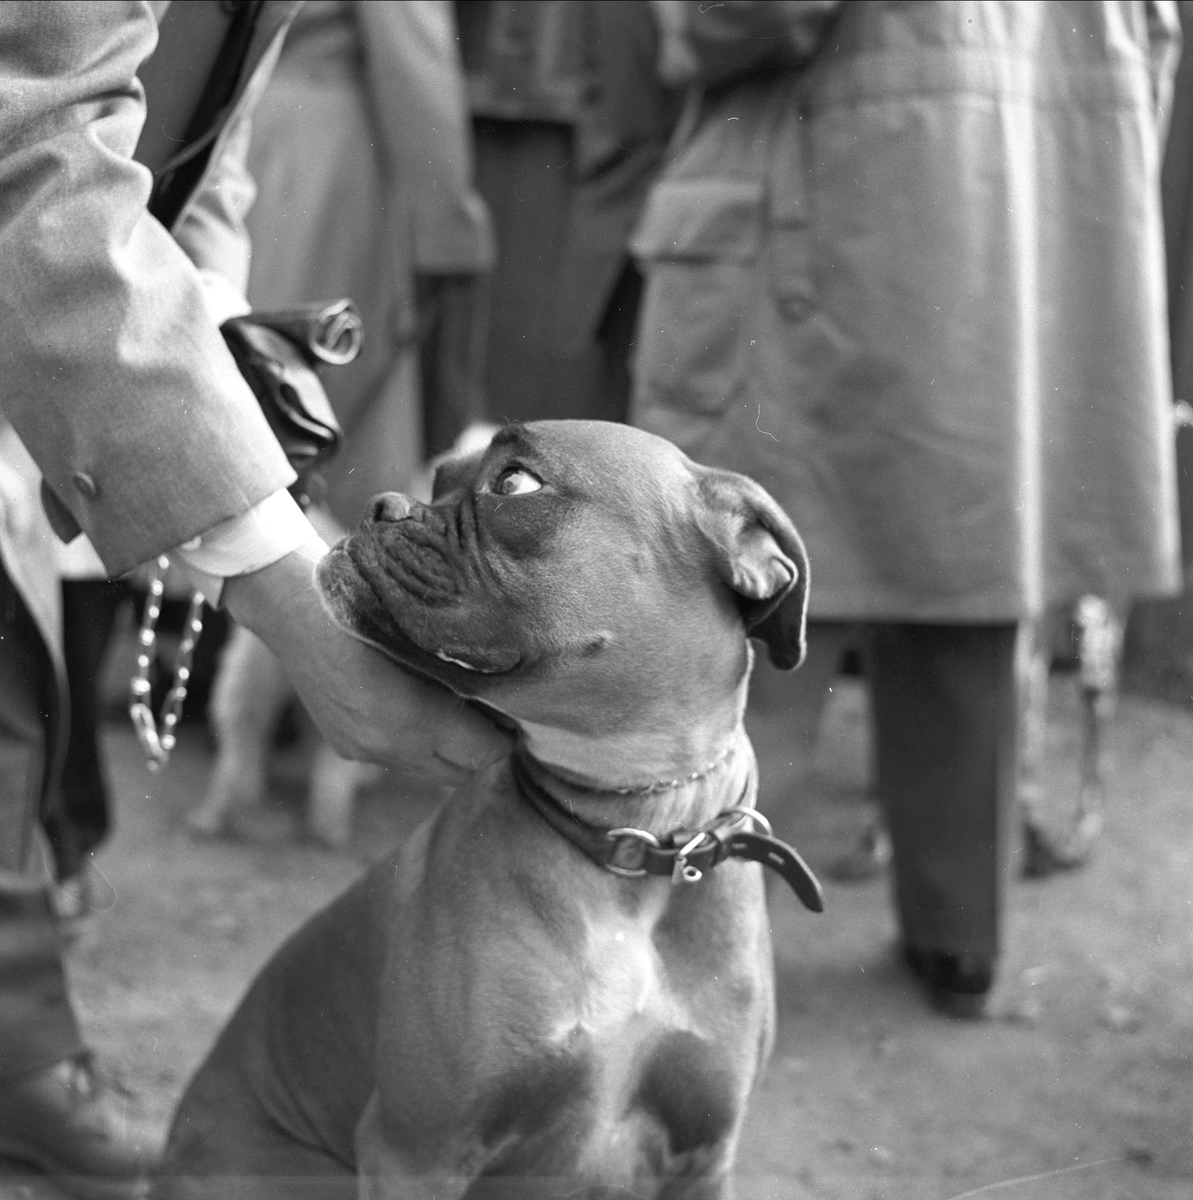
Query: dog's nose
[390,506]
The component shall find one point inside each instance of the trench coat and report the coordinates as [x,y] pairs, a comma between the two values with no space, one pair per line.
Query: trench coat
[361,156]
[906,269]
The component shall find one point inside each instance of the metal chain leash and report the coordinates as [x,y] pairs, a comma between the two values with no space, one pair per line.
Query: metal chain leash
[158,743]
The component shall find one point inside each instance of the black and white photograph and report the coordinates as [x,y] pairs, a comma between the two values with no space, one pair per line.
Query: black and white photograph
[596,599]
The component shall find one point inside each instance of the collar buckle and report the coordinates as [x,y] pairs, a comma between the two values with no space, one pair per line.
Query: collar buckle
[683,871]
[684,855]
[626,836]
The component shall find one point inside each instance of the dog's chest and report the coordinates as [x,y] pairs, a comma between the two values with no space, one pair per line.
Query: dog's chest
[633,1008]
[622,984]
[646,1086]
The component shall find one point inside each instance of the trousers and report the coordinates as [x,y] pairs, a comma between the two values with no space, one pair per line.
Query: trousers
[38,1026]
[944,705]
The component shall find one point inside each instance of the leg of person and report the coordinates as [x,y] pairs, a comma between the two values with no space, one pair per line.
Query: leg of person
[588,362]
[78,815]
[945,707]
[870,855]
[615,337]
[54,1116]
[783,718]
[1035,661]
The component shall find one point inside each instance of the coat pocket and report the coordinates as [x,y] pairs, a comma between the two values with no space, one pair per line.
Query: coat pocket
[697,245]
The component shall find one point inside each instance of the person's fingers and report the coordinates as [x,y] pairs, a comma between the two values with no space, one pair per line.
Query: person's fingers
[470,741]
[432,732]
[367,707]
[371,710]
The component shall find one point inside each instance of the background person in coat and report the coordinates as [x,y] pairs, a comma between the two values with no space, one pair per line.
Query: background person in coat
[571,123]
[118,383]
[362,161]
[907,271]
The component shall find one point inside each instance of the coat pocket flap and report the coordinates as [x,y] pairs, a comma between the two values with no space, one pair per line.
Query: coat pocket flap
[701,219]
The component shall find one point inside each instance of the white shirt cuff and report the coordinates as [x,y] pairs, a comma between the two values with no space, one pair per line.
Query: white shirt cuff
[222,298]
[265,533]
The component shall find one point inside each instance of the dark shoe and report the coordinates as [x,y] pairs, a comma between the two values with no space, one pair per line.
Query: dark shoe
[63,1122]
[956,984]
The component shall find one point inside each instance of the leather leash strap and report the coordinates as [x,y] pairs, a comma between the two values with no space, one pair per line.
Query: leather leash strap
[684,855]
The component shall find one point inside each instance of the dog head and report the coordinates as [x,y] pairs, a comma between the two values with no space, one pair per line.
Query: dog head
[575,565]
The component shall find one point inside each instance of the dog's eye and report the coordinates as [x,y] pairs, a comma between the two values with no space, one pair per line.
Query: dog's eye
[516,481]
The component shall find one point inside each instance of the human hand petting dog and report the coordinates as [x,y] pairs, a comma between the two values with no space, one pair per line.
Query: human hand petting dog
[364,705]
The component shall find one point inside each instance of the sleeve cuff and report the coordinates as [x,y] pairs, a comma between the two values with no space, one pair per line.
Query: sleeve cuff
[222,298]
[265,533]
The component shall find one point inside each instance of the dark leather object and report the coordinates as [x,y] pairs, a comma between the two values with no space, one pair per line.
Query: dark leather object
[277,354]
[670,855]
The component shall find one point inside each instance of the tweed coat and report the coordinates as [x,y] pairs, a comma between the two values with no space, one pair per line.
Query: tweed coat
[110,371]
[906,269]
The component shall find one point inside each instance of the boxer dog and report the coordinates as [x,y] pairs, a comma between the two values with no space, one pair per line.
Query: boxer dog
[562,984]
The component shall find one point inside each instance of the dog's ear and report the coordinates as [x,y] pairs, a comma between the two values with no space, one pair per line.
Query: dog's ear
[761,557]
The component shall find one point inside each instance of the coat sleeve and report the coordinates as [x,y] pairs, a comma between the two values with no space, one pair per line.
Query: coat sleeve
[112,373]
[716,44]
[416,86]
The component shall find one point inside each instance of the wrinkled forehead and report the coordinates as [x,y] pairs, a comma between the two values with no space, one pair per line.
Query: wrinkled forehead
[627,468]
[597,450]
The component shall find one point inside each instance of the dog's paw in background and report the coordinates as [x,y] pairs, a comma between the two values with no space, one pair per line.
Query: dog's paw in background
[335,783]
[247,701]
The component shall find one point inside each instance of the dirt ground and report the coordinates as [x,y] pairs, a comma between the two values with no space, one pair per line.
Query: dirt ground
[1079,1086]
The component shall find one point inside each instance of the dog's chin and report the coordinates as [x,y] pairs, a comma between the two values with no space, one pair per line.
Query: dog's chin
[356,608]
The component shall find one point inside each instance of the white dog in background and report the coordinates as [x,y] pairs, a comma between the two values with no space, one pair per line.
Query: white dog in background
[250,695]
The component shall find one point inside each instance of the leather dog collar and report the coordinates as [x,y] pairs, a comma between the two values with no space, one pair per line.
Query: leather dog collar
[684,854]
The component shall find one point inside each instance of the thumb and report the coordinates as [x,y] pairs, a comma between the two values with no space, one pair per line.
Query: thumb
[476,738]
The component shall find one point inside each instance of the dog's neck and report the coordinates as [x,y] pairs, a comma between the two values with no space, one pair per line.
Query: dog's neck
[651,778]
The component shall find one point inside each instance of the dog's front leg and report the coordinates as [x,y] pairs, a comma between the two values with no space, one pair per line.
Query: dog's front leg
[389,1172]
[719,1187]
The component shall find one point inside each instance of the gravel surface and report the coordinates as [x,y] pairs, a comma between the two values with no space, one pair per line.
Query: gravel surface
[1080,1085]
